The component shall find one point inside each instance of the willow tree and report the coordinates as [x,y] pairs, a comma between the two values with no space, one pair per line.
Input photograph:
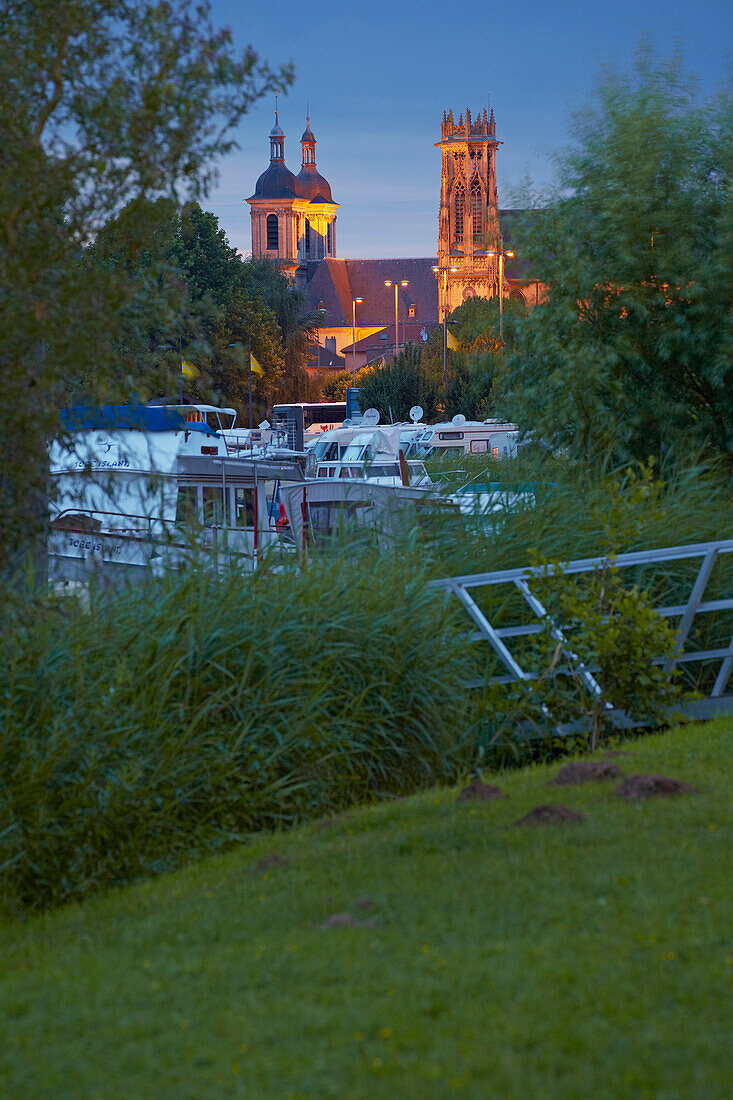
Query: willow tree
[103,104]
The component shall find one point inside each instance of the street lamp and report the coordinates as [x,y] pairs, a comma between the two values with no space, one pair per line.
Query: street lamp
[445,271]
[353,336]
[396,285]
[501,253]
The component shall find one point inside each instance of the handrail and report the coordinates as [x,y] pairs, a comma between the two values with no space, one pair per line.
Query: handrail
[520,579]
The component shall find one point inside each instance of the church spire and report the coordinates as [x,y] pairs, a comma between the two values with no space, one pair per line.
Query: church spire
[308,143]
[277,137]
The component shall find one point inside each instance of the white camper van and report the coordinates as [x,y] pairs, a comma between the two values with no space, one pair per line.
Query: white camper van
[497,438]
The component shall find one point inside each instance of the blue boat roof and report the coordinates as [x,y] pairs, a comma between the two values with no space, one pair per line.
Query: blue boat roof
[141,418]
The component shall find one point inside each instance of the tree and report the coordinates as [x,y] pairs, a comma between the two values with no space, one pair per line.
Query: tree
[104,104]
[337,383]
[630,353]
[400,384]
[475,364]
[298,330]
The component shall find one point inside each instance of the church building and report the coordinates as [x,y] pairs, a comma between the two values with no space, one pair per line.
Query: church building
[294,224]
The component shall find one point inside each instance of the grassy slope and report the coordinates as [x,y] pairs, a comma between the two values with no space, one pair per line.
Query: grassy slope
[573,961]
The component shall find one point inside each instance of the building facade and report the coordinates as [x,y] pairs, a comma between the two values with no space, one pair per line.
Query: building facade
[293,217]
[294,224]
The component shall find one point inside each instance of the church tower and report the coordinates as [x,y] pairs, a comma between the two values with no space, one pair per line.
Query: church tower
[469,209]
[320,217]
[293,217]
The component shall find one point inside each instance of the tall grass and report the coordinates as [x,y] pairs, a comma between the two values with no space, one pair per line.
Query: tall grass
[168,721]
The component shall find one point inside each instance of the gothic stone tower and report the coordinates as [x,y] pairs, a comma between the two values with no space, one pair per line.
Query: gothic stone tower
[469,209]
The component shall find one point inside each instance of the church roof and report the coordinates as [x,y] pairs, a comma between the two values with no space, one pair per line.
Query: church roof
[313,186]
[336,282]
[276,182]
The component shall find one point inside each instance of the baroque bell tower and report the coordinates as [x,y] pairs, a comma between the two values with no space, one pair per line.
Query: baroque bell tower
[469,209]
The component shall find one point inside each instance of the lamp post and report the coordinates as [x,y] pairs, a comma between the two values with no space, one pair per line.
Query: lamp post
[396,285]
[353,336]
[501,253]
[444,271]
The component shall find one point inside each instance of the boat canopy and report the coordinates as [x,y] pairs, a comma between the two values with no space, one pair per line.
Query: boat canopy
[142,418]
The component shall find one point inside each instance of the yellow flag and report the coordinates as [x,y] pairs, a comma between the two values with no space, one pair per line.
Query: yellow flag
[256,368]
[189,370]
[453,344]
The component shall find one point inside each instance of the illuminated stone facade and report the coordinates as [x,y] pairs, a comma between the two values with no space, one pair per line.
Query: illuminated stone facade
[293,217]
[470,239]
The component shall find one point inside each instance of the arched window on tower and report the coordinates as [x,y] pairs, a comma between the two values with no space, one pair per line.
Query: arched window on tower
[272,233]
[307,239]
[459,208]
[329,239]
[477,210]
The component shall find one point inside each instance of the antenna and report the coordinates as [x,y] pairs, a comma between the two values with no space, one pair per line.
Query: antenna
[459,420]
[370,418]
[276,95]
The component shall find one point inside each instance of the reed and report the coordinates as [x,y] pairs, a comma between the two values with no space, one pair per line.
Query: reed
[169,721]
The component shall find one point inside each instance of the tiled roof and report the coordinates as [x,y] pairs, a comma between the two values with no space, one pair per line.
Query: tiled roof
[336,282]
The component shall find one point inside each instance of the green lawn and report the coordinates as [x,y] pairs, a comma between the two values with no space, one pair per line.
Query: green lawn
[587,961]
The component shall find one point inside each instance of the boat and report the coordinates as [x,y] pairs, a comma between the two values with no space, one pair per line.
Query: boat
[374,455]
[138,487]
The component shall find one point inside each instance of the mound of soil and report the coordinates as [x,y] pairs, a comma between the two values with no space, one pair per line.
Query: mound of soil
[480,792]
[345,920]
[267,862]
[652,786]
[551,815]
[586,771]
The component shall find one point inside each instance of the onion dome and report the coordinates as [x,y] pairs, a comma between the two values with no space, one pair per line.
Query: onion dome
[277,181]
[311,183]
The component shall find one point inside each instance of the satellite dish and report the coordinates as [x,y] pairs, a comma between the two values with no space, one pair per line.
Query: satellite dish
[348,423]
[459,420]
[370,418]
[265,424]
[416,413]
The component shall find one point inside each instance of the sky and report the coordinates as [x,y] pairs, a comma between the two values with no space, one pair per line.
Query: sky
[378,75]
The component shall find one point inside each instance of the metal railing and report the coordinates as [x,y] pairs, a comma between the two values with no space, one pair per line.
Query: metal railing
[521,580]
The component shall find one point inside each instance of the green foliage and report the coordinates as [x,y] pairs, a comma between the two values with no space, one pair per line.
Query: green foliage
[338,382]
[474,366]
[594,958]
[171,720]
[104,104]
[630,354]
[400,384]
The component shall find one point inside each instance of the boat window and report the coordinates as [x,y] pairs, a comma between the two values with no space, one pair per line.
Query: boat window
[227,420]
[384,471]
[354,452]
[479,446]
[192,416]
[244,507]
[213,506]
[212,419]
[322,471]
[187,505]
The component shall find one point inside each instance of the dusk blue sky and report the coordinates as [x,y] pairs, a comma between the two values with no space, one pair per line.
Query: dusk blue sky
[379,75]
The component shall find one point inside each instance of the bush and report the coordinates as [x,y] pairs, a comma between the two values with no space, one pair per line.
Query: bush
[173,720]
